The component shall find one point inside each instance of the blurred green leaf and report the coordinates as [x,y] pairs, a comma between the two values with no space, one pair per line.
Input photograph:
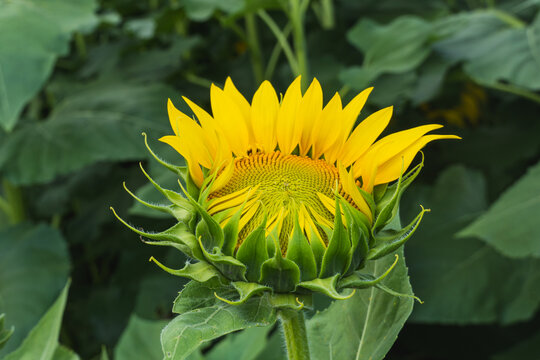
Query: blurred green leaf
[494,47]
[140,340]
[5,334]
[464,281]
[63,353]
[102,122]
[32,35]
[188,331]
[365,326]
[34,265]
[511,223]
[395,48]
[244,345]
[201,10]
[42,342]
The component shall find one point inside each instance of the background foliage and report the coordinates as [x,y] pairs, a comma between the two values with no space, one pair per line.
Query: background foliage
[80,80]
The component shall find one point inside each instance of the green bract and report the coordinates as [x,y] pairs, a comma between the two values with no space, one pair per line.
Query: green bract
[255,266]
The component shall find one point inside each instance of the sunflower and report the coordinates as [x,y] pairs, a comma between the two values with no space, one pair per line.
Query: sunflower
[282,162]
[286,197]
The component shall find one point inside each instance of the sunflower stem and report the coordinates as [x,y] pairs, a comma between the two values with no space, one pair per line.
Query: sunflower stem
[254,47]
[282,40]
[294,330]
[296,14]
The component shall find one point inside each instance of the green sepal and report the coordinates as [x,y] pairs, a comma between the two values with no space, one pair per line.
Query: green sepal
[299,251]
[181,171]
[216,232]
[230,233]
[253,252]
[173,196]
[291,301]
[358,235]
[389,240]
[231,268]
[318,249]
[379,191]
[363,281]
[177,236]
[4,334]
[200,271]
[245,291]
[337,257]
[179,213]
[388,206]
[327,286]
[279,273]
[369,200]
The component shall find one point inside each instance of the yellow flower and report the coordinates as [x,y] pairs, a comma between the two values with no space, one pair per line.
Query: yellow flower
[284,161]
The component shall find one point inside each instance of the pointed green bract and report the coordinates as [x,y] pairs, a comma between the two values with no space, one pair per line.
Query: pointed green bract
[245,291]
[388,206]
[280,274]
[253,253]
[300,253]
[328,287]
[230,267]
[200,271]
[386,244]
[337,257]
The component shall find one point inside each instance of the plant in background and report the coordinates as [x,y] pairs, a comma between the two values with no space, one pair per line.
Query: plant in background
[282,199]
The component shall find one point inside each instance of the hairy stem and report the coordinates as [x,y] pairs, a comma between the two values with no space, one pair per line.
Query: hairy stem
[294,331]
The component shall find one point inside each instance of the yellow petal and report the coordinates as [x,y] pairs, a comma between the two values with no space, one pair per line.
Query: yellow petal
[349,186]
[264,110]
[391,169]
[364,135]
[288,129]
[308,112]
[393,144]
[346,122]
[230,121]
[326,130]
[240,101]
[193,164]
[352,110]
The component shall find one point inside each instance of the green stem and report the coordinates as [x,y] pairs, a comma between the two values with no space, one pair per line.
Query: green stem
[296,13]
[514,90]
[197,80]
[274,56]
[508,18]
[254,47]
[282,40]
[12,203]
[294,331]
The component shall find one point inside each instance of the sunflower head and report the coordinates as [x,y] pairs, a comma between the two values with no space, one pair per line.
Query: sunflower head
[287,196]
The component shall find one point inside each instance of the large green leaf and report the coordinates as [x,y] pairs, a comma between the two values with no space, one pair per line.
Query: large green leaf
[395,48]
[34,265]
[33,34]
[63,353]
[365,326]
[244,345]
[42,341]
[140,340]
[494,46]
[511,223]
[188,331]
[100,122]
[464,281]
